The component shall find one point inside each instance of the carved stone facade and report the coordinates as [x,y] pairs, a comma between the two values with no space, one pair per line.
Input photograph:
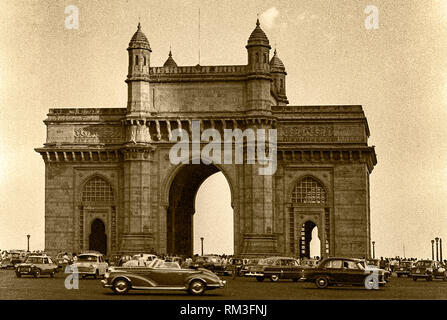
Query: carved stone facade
[109,169]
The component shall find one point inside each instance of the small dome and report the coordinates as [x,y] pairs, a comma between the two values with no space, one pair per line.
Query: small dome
[139,40]
[276,64]
[170,62]
[258,37]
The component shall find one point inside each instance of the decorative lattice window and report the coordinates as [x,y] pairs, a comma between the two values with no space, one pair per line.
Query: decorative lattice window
[97,189]
[308,191]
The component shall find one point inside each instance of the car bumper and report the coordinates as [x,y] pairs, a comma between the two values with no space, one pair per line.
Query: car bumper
[105,284]
[254,274]
[221,284]
[421,275]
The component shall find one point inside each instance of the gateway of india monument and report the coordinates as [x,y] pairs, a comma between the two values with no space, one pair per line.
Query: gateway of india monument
[110,185]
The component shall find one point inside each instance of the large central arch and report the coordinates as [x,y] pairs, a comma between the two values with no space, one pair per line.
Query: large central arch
[182,195]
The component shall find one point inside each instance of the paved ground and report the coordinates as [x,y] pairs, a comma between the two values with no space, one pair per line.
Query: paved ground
[47,288]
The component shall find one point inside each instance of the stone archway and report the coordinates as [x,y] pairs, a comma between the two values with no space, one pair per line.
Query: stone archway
[181,208]
[98,237]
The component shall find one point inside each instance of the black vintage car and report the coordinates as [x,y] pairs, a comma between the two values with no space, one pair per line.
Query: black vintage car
[344,271]
[161,275]
[429,270]
[404,268]
[276,268]
[212,263]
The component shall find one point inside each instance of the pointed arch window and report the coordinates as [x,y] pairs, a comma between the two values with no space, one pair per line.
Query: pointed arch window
[309,191]
[97,190]
[136,60]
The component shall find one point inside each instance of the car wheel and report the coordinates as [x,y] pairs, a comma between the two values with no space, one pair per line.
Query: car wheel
[196,287]
[295,279]
[321,282]
[260,279]
[18,275]
[415,279]
[274,278]
[429,278]
[121,286]
[37,273]
[96,274]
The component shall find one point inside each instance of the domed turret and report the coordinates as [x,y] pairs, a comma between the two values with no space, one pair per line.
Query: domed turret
[170,61]
[276,64]
[139,40]
[138,100]
[258,37]
[278,72]
[258,49]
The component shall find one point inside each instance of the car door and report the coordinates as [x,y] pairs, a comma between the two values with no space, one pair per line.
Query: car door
[333,270]
[352,273]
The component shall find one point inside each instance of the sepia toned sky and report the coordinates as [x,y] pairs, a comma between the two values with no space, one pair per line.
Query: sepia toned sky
[397,72]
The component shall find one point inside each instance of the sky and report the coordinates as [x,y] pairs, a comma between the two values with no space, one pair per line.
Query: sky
[397,72]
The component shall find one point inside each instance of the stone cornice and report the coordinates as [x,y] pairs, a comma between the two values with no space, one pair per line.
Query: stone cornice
[334,154]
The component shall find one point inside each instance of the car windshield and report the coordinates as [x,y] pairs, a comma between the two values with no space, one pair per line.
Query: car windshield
[423,264]
[88,258]
[34,260]
[161,264]
[267,262]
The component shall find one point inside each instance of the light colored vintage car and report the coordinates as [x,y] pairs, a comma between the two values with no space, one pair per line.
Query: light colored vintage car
[36,265]
[161,275]
[91,264]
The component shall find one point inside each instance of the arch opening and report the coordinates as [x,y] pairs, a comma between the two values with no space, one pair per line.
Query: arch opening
[310,243]
[98,237]
[183,197]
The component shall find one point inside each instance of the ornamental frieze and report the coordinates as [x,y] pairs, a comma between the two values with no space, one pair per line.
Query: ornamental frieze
[98,134]
[319,133]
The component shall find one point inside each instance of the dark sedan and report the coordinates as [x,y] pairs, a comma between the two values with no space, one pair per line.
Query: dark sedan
[276,268]
[344,271]
[429,270]
[161,275]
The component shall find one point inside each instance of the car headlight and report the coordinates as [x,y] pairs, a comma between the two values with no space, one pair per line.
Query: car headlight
[92,267]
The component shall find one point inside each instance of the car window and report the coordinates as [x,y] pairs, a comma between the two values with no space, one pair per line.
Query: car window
[350,265]
[334,264]
[89,258]
[45,260]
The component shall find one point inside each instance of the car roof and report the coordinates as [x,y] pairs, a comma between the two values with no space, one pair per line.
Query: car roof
[345,258]
[90,254]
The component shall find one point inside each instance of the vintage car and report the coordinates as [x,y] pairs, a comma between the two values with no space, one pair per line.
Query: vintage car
[309,263]
[247,264]
[343,271]
[91,264]
[36,265]
[11,260]
[375,263]
[161,275]
[404,268]
[429,270]
[61,262]
[276,268]
[114,260]
[212,263]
